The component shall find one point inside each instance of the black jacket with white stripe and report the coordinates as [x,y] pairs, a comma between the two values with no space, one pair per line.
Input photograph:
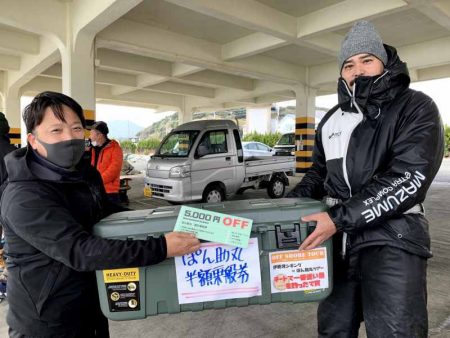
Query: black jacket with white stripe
[378,150]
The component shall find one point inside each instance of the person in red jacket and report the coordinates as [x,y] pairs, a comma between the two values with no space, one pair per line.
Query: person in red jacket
[107,158]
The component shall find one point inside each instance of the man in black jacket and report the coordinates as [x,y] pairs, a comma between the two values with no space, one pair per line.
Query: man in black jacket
[5,148]
[52,200]
[375,156]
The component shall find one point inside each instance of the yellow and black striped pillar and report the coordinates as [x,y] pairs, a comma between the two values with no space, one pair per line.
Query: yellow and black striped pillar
[14,137]
[89,116]
[304,143]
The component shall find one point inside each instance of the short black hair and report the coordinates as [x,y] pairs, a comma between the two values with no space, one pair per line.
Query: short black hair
[33,114]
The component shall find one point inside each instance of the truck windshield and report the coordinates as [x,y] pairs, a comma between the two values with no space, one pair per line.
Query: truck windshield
[177,144]
[286,139]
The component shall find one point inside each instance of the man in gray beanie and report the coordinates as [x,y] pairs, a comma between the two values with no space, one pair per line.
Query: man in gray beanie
[375,156]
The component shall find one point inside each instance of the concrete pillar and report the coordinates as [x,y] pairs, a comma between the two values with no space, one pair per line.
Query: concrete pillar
[186,111]
[11,109]
[259,119]
[78,74]
[304,127]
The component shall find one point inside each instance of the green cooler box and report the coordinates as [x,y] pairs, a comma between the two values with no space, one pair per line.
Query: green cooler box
[270,270]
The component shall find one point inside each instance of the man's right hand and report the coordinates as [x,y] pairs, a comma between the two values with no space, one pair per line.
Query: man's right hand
[181,243]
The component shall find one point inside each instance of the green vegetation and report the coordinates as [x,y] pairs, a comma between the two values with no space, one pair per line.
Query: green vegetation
[148,145]
[128,146]
[270,139]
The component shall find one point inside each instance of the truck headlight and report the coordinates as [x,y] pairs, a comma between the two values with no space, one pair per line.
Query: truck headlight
[181,171]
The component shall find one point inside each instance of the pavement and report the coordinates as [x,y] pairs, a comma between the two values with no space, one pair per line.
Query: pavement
[287,319]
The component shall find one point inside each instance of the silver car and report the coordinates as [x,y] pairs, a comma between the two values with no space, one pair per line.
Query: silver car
[256,149]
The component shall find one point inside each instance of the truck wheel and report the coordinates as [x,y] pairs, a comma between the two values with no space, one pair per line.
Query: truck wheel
[213,194]
[276,188]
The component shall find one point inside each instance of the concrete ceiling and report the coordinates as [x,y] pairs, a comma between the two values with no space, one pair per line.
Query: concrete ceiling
[219,54]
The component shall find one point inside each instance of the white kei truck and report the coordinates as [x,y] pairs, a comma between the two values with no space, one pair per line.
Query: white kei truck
[203,160]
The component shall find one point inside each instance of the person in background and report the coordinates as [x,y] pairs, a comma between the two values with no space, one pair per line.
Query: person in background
[5,148]
[375,156]
[51,202]
[107,157]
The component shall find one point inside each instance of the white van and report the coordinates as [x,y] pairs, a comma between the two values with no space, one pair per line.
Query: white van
[285,146]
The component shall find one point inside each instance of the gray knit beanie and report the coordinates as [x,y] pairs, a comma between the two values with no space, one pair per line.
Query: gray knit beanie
[362,38]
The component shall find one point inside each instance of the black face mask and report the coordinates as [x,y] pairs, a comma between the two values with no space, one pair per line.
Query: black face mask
[65,154]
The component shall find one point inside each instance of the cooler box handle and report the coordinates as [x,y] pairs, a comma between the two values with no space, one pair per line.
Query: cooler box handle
[291,238]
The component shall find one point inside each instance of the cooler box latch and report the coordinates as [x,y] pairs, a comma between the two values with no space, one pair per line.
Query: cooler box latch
[288,238]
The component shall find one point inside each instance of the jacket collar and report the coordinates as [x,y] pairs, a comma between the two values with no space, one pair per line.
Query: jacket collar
[25,164]
[104,145]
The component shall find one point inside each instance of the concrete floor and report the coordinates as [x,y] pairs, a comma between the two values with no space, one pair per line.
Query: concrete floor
[292,320]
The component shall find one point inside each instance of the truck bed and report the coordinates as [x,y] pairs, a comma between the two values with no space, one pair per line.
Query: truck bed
[255,166]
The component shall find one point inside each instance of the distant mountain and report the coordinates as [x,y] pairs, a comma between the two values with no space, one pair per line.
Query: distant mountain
[121,129]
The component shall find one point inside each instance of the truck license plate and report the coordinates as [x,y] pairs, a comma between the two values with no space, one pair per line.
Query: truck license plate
[148,191]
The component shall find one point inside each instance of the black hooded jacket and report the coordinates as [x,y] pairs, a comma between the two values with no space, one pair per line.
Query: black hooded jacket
[378,150]
[5,148]
[48,214]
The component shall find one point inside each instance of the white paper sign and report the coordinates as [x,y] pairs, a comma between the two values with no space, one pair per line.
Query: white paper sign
[295,270]
[218,271]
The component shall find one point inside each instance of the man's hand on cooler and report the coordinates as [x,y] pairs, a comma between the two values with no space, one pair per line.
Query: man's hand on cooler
[181,243]
[325,228]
